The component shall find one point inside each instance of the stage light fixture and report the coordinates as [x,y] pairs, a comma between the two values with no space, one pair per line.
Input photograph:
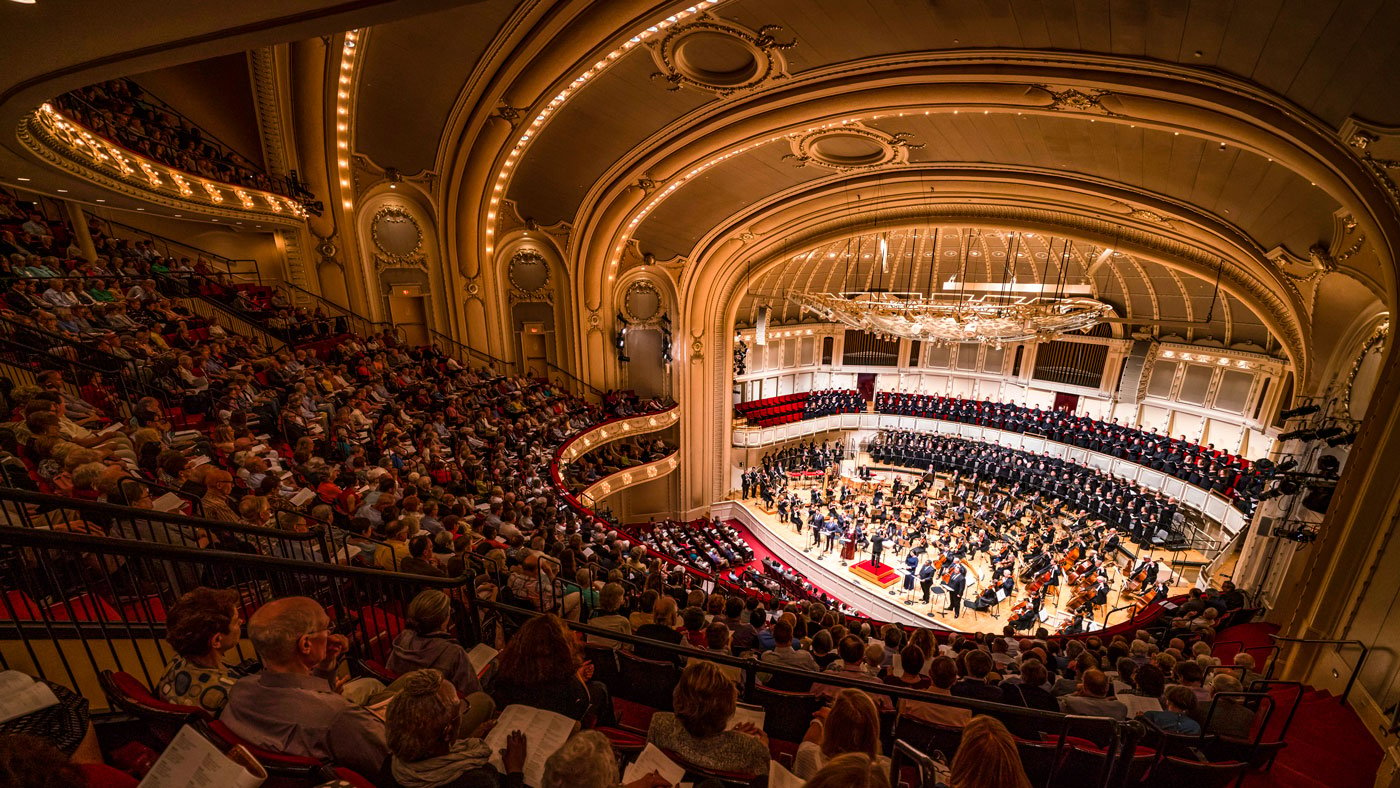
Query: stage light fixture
[1328,464]
[1298,435]
[1288,465]
[1302,410]
[1342,440]
[1330,432]
[1288,487]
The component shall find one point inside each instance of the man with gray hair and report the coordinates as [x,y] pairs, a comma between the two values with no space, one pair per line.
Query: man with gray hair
[293,705]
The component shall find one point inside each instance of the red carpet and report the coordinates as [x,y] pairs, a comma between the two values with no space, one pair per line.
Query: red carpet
[1327,744]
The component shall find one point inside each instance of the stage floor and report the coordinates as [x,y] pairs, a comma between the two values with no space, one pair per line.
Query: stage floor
[831,575]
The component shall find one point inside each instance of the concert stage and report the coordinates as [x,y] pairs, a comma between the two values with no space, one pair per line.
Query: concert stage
[860,592]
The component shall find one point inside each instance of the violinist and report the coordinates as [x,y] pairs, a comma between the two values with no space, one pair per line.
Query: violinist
[1025,614]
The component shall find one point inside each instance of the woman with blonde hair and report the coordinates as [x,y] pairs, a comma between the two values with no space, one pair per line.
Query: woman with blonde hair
[987,757]
[850,724]
[852,770]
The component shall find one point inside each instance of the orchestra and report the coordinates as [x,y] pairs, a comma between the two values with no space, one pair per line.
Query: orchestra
[991,530]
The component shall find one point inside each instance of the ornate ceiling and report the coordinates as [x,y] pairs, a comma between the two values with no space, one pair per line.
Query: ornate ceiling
[1254,138]
[1135,286]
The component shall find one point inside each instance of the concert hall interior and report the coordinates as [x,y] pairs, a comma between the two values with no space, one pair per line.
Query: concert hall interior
[959,393]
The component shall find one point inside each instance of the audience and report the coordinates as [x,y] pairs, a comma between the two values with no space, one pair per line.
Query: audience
[421,726]
[850,725]
[698,729]
[201,627]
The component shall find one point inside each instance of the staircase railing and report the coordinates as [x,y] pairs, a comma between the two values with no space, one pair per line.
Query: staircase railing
[469,356]
[577,386]
[231,320]
[1279,640]
[354,322]
[169,247]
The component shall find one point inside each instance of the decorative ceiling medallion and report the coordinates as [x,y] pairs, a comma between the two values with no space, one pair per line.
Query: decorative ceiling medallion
[719,57]
[849,147]
[528,273]
[397,238]
[1067,99]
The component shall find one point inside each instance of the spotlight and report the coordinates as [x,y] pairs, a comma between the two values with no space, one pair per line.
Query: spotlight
[1299,435]
[1304,410]
[1288,465]
[1342,440]
[1263,465]
[1328,464]
[1288,487]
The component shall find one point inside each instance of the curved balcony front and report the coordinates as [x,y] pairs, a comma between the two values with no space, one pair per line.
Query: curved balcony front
[75,149]
[602,434]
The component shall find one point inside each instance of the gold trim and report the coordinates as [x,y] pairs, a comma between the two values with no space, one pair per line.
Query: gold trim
[383,258]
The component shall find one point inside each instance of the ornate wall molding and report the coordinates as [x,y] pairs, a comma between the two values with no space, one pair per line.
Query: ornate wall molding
[76,150]
[719,56]
[386,218]
[643,291]
[529,277]
[1374,342]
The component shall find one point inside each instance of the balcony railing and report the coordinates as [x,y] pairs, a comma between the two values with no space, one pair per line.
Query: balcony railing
[74,148]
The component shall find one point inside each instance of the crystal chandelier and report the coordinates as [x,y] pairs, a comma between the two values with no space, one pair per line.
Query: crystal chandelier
[940,318]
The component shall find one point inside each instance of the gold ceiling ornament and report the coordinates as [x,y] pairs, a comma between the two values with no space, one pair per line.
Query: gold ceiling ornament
[994,318]
[719,56]
[850,147]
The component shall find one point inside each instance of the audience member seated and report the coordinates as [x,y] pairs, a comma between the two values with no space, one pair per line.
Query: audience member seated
[975,683]
[1177,717]
[1092,698]
[1230,717]
[852,770]
[587,760]
[987,757]
[422,725]
[850,725]
[541,667]
[698,729]
[292,705]
[202,627]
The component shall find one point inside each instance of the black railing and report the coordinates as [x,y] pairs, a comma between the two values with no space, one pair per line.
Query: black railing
[171,248]
[1355,670]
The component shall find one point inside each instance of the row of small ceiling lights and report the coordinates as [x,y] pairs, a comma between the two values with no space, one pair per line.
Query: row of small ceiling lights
[342,115]
[513,158]
[1205,358]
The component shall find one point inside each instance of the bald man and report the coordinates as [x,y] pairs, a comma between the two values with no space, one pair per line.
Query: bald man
[219,485]
[292,706]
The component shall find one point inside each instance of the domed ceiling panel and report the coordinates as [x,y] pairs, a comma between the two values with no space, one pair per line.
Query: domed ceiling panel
[622,107]
[1271,203]
[412,74]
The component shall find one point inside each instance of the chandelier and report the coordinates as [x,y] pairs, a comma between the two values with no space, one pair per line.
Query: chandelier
[994,318]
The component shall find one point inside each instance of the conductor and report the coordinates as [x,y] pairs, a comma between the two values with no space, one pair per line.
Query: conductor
[877,544]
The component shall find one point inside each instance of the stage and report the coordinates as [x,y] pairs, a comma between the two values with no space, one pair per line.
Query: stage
[868,590]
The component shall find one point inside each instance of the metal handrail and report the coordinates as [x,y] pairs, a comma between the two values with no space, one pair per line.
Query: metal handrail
[167,243]
[464,353]
[1355,671]
[584,386]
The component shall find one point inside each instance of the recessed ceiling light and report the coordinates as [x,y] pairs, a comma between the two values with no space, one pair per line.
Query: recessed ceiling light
[179,215]
[213,220]
[25,2]
[99,199]
[140,209]
[62,191]
[21,179]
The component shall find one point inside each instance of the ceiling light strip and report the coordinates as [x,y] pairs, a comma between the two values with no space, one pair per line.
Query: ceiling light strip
[343,95]
[537,123]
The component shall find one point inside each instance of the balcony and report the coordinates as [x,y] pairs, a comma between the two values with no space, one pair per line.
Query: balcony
[60,141]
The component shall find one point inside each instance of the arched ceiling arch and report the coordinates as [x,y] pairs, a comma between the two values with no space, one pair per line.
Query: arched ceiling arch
[921,259]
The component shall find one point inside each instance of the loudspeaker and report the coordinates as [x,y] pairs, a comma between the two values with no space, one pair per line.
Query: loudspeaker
[760,329]
[1266,526]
